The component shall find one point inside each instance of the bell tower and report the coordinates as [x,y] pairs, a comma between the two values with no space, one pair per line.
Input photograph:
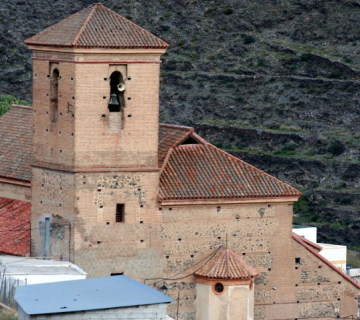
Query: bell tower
[96,106]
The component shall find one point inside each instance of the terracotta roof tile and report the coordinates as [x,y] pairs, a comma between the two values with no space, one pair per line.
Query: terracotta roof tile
[14,227]
[227,265]
[197,171]
[97,27]
[16,143]
[301,241]
[170,136]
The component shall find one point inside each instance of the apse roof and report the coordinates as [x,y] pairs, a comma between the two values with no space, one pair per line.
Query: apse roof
[97,27]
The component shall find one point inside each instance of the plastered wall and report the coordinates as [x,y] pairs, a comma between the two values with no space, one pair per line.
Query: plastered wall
[12,191]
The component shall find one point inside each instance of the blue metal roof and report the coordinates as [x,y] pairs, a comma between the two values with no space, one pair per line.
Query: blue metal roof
[88,294]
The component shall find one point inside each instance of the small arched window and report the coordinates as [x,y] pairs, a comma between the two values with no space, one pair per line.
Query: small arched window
[54,96]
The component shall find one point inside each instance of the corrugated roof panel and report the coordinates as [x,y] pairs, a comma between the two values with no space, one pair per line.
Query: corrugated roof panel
[87,294]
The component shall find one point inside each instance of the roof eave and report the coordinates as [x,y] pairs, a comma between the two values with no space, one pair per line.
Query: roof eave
[217,201]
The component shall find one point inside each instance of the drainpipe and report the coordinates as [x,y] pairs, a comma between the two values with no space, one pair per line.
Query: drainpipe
[47,237]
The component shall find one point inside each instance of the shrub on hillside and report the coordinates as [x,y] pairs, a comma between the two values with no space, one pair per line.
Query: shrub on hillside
[6,100]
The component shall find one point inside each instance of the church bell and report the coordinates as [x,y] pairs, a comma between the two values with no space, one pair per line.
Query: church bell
[114,105]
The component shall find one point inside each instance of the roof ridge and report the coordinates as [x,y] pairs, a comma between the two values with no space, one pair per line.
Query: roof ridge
[20,106]
[254,168]
[169,125]
[95,5]
[135,25]
[166,160]
[54,25]
[326,261]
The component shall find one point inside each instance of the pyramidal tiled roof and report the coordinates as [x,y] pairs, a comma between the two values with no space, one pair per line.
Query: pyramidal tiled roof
[227,265]
[202,171]
[97,27]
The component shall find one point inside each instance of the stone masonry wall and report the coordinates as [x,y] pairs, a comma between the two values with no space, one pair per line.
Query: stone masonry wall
[53,196]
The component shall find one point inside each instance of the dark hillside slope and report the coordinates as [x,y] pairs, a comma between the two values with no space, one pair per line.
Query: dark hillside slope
[275,82]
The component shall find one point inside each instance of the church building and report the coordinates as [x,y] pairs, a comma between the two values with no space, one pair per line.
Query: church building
[123,194]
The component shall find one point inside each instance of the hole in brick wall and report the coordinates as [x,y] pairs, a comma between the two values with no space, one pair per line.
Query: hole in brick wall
[160,209]
[40,201]
[179,239]
[99,190]
[139,189]
[248,217]
[296,285]
[167,257]
[60,188]
[42,185]
[84,182]
[47,130]
[71,78]
[105,79]
[60,205]
[319,267]
[297,301]
[129,77]
[141,206]
[269,269]
[337,316]
[141,241]
[61,113]
[59,132]
[129,115]
[196,233]
[269,205]
[60,151]
[72,134]
[141,221]
[101,207]
[269,252]
[107,223]
[60,96]
[338,299]
[219,238]
[99,242]
[192,256]
[129,98]
[339,282]
[170,208]
[318,283]
[234,235]
[47,112]
[103,116]
[296,268]
[73,115]
[244,254]
[104,97]
[47,94]
[297,260]
[73,98]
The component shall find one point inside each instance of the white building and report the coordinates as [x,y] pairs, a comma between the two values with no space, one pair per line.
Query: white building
[334,253]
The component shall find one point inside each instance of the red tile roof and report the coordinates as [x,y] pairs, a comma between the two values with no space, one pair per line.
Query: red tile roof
[97,27]
[14,227]
[301,241]
[170,136]
[227,265]
[198,171]
[16,143]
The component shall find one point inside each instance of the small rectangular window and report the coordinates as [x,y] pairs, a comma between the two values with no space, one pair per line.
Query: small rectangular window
[297,260]
[119,216]
[117,274]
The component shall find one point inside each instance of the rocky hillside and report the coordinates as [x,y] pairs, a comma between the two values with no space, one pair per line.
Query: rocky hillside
[274,82]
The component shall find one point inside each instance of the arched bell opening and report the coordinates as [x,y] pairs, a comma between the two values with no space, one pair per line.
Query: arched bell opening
[54,96]
[117,88]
